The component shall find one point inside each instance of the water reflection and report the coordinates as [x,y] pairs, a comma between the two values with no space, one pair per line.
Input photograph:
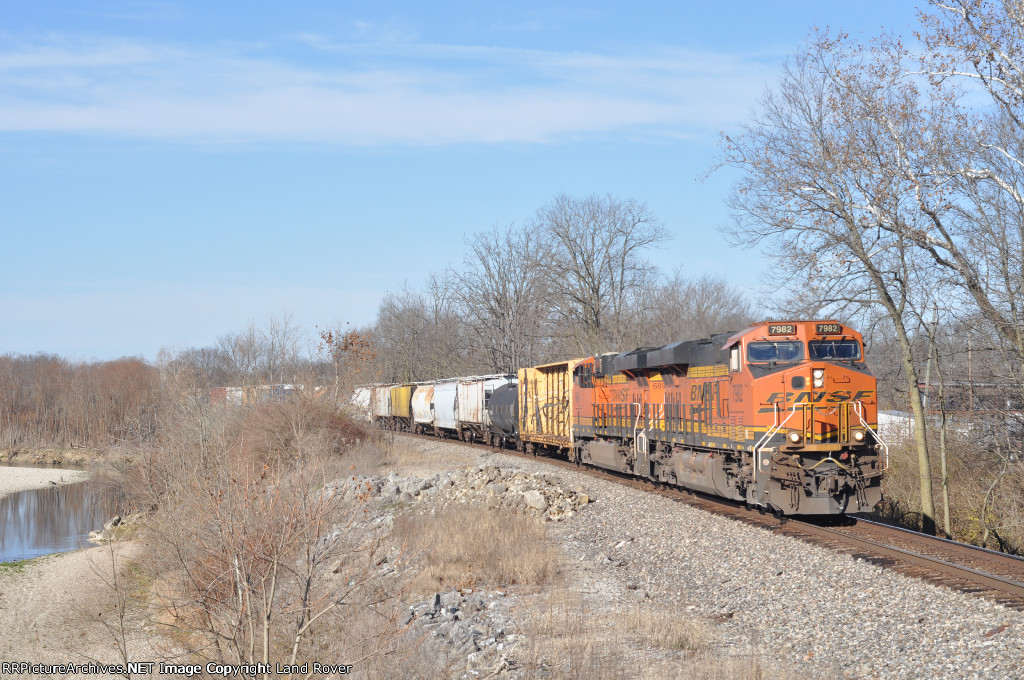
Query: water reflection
[56,519]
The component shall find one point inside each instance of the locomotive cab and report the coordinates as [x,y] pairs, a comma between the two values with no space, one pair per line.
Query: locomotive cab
[816,449]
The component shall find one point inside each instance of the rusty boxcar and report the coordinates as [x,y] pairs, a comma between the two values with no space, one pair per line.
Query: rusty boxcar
[380,403]
[546,405]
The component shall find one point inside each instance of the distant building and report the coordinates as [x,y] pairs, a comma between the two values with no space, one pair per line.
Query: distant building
[255,394]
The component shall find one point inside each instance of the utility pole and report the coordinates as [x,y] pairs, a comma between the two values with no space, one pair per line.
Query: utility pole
[970,375]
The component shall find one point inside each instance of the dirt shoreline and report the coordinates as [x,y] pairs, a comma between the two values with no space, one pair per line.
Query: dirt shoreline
[75,457]
[53,609]
[14,479]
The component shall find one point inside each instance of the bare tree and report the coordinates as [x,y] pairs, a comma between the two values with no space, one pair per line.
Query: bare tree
[961,158]
[819,187]
[421,336]
[681,308]
[244,352]
[282,343]
[349,351]
[501,293]
[595,265]
[49,401]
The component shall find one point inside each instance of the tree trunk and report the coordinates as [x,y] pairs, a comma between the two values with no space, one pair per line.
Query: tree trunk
[924,467]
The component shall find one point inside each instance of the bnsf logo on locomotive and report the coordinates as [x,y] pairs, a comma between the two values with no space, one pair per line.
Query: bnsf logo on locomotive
[806,397]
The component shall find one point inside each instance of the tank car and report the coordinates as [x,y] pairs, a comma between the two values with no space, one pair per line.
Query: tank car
[781,415]
[503,415]
[473,395]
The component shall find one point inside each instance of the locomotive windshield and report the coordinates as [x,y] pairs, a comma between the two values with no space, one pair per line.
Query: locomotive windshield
[844,350]
[784,350]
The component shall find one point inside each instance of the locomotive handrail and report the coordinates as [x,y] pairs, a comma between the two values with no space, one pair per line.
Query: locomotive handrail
[636,426]
[858,408]
[771,432]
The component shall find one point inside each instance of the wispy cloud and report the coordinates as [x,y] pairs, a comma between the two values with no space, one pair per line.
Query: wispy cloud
[141,10]
[393,92]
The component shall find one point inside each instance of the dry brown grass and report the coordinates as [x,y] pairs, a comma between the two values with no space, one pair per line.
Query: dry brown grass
[571,640]
[986,492]
[468,546]
[663,628]
[387,452]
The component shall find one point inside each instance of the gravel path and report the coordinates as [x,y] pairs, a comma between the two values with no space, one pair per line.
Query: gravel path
[14,479]
[820,613]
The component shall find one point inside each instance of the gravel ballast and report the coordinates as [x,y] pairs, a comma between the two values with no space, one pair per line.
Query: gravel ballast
[820,613]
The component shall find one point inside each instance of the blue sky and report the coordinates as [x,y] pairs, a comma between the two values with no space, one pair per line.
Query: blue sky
[170,171]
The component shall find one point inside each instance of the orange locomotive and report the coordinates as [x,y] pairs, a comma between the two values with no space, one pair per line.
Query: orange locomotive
[781,415]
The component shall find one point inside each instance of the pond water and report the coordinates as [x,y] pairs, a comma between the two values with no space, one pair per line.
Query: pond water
[56,519]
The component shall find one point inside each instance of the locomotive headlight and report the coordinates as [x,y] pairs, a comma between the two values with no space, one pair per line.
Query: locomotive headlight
[819,377]
[858,436]
[795,437]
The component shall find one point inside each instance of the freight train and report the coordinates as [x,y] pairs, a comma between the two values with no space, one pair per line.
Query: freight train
[781,415]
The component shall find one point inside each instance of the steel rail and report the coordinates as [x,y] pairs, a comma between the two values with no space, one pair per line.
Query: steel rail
[949,541]
[990,581]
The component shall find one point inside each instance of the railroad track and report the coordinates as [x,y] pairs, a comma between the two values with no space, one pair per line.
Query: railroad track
[958,566]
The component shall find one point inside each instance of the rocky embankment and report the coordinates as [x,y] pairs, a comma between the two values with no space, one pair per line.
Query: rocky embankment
[493,487]
[477,627]
[798,609]
[474,631]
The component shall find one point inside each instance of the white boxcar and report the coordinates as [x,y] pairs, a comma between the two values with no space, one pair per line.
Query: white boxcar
[473,395]
[360,402]
[380,402]
[445,399]
[423,406]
